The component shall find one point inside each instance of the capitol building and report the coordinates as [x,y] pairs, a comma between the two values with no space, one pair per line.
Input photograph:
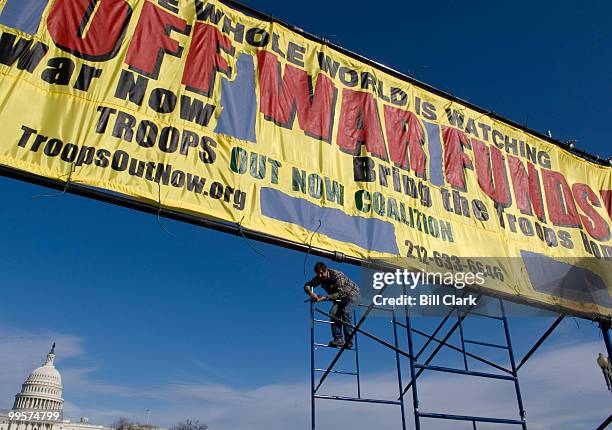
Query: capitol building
[42,392]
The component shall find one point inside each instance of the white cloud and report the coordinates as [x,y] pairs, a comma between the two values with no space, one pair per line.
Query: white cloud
[79,380]
[564,388]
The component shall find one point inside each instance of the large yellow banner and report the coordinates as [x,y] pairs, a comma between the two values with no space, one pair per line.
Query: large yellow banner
[201,108]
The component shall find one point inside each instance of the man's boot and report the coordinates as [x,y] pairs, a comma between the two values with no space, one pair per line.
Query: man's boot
[336,343]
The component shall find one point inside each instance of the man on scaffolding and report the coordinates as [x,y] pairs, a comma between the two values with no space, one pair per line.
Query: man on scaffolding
[345,295]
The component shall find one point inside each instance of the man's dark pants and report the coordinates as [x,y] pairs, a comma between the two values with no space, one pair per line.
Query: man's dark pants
[342,310]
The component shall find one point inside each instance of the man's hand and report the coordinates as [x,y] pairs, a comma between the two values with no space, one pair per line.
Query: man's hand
[314,297]
[322,298]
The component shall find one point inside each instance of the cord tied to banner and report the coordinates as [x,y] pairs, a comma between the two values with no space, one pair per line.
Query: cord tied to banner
[66,185]
[310,246]
[159,209]
[247,240]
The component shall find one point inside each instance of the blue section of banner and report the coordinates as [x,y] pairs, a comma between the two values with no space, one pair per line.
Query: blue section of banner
[239,102]
[436,165]
[24,15]
[367,233]
[567,281]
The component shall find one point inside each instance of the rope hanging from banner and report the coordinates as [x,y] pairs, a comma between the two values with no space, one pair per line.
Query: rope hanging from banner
[310,246]
[247,240]
[66,185]
[159,208]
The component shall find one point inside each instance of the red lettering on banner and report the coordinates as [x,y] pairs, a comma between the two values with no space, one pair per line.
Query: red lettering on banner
[491,172]
[527,190]
[606,196]
[281,98]
[593,223]
[455,159]
[152,40]
[406,139]
[75,28]
[360,124]
[205,60]
[559,200]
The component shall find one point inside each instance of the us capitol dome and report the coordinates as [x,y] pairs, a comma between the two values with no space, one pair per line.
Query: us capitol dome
[42,392]
[43,388]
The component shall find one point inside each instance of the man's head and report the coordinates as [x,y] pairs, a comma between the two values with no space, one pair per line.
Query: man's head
[321,270]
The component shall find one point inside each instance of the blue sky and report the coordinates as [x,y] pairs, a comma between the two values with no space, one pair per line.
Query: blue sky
[196,324]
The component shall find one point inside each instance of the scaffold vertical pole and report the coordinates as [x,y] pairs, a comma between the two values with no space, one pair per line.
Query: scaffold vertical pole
[315,389]
[513,365]
[312,366]
[399,370]
[415,395]
[605,332]
[357,357]
[465,362]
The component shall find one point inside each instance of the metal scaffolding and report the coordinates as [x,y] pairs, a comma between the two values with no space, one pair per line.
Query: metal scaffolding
[506,375]
[418,365]
[314,346]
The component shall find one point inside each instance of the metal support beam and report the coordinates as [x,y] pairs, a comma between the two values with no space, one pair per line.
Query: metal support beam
[491,345]
[415,394]
[357,399]
[454,348]
[356,346]
[340,372]
[604,425]
[606,327]
[483,315]
[312,367]
[399,369]
[465,372]
[440,345]
[469,418]
[365,333]
[450,312]
[517,387]
[535,347]
[464,352]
